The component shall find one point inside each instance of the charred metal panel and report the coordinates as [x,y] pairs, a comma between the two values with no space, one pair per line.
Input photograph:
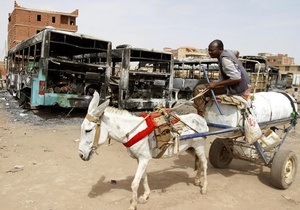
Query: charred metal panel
[258,70]
[189,74]
[141,78]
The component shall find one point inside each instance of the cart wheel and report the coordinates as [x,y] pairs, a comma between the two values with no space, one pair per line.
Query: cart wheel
[284,169]
[219,156]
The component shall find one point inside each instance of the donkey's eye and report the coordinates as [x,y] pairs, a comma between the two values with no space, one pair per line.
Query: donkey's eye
[87,131]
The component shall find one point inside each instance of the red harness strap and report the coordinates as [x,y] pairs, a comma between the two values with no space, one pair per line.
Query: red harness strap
[143,133]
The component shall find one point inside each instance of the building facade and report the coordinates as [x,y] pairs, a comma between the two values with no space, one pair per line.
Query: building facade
[187,52]
[295,69]
[285,65]
[24,23]
[2,70]
[2,75]
[278,59]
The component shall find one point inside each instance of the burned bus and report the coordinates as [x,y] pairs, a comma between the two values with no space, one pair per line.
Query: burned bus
[188,74]
[59,68]
[141,79]
[261,75]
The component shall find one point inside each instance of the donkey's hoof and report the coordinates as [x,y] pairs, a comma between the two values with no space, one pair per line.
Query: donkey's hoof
[143,200]
[203,191]
[197,182]
[132,205]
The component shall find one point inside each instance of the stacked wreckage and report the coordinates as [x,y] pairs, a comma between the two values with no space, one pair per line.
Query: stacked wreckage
[59,68]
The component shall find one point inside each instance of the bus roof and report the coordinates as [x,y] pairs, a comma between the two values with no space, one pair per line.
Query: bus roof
[39,38]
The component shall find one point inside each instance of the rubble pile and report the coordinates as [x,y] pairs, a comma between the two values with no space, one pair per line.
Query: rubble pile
[40,117]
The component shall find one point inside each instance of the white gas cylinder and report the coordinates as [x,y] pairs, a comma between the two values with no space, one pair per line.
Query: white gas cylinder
[265,107]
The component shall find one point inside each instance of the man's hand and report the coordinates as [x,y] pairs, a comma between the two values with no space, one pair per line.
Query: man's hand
[211,85]
[222,83]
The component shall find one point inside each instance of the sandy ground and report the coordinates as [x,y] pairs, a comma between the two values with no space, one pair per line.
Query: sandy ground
[40,169]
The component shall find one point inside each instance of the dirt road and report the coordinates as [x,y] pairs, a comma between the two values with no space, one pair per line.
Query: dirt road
[40,169]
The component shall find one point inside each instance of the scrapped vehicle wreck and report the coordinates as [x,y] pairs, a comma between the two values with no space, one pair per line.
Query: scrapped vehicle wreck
[262,76]
[141,79]
[58,68]
[189,74]
[285,80]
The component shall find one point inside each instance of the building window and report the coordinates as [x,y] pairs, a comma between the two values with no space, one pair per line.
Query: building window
[53,19]
[298,68]
[38,17]
[287,68]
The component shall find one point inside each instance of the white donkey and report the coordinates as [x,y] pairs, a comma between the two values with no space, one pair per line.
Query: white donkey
[103,122]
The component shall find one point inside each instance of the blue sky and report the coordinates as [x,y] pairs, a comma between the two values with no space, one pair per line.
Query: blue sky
[250,26]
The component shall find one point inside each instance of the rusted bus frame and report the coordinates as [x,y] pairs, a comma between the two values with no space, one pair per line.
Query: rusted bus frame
[185,85]
[162,68]
[257,68]
[89,53]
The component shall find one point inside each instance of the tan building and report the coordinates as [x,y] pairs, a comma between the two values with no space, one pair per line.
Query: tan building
[278,59]
[187,52]
[295,69]
[285,64]
[24,23]
[2,71]
[2,75]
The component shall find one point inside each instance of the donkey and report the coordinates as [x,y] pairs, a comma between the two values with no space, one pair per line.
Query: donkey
[103,122]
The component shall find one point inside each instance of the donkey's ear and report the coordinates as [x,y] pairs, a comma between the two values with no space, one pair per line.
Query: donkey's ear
[104,104]
[94,102]
[100,109]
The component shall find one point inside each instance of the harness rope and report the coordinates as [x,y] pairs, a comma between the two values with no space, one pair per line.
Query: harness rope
[198,95]
[127,134]
[98,131]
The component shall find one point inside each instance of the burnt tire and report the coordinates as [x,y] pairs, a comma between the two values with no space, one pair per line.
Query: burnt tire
[219,156]
[24,100]
[283,169]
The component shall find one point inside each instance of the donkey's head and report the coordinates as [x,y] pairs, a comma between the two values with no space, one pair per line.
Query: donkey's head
[92,132]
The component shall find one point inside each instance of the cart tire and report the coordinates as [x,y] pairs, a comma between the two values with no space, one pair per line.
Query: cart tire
[219,156]
[283,169]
